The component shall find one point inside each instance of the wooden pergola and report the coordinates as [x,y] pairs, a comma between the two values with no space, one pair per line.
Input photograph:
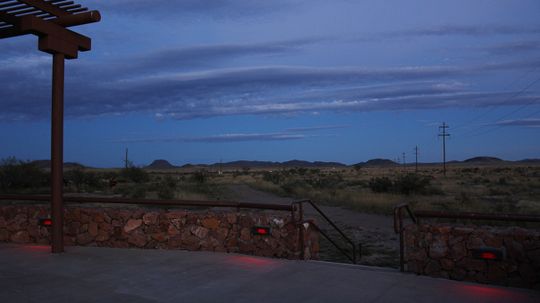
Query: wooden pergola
[49,19]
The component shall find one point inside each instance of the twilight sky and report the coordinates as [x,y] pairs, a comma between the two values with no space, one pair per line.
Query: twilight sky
[196,81]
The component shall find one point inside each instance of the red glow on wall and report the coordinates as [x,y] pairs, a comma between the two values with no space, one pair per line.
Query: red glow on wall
[487,255]
[261,230]
[45,222]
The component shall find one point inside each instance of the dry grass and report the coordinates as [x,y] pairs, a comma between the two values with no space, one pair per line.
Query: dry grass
[487,189]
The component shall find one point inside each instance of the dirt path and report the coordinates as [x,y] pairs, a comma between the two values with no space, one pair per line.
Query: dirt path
[374,232]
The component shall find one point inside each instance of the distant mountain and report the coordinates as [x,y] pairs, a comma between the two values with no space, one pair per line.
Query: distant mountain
[245,163]
[377,162]
[301,163]
[529,161]
[483,159]
[161,164]
[267,164]
[46,164]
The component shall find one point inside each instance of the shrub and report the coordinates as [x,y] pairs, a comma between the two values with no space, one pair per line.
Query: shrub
[16,174]
[135,174]
[274,177]
[132,191]
[166,188]
[83,180]
[200,177]
[380,184]
[411,183]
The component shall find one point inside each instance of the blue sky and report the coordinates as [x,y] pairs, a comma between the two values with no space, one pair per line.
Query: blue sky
[197,81]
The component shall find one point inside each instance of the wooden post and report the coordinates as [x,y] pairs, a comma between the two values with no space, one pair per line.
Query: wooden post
[57,157]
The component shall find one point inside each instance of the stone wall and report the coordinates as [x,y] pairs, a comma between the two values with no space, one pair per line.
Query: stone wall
[446,251]
[225,231]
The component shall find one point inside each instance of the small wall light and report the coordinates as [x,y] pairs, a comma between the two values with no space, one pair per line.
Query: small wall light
[488,253]
[261,230]
[47,222]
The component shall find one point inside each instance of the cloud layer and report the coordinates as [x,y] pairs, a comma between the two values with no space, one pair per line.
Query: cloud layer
[533,122]
[198,81]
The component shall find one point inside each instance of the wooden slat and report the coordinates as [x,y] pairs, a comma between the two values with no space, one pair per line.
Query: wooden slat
[63,3]
[11,5]
[68,7]
[22,11]
[72,11]
[46,7]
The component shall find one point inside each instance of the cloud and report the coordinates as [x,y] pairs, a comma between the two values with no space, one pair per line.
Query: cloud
[514,48]
[197,56]
[533,122]
[185,8]
[464,30]
[223,138]
[92,89]
[315,128]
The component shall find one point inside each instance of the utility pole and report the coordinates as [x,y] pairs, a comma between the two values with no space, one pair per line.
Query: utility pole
[404,163]
[444,134]
[416,159]
[126,161]
[219,169]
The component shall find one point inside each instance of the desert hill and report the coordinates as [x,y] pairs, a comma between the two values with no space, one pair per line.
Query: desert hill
[46,164]
[483,159]
[377,162]
[160,164]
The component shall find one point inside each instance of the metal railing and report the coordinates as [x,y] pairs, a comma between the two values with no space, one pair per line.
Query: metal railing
[349,255]
[416,215]
[75,199]
[398,229]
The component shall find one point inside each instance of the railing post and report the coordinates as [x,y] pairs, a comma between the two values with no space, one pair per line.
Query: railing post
[301,226]
[401,248]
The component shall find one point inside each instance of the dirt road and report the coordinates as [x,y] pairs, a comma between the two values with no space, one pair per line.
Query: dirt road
[374,232]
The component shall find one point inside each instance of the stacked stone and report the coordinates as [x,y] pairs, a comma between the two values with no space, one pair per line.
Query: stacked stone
[19,224]
[162,229]
[446,251]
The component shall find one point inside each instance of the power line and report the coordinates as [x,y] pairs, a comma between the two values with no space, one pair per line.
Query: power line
[416,159]
[126,161]
[496,126]
[491,108]
[476,132]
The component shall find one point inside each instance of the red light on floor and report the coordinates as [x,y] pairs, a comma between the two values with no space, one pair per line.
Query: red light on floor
[261,230]
[45,222]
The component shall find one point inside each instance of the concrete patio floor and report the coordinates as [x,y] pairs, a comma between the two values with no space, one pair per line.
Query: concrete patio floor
[30,273]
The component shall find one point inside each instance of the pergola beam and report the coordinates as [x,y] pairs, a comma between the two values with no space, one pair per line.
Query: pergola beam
[78,19]
[36,25]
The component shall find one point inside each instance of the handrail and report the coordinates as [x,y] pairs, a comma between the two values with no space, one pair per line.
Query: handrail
[476,216]
[75,199]
[343,251]
[398,228]
[398,217]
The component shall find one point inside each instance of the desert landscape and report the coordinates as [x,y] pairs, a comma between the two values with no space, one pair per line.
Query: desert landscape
[359,198]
